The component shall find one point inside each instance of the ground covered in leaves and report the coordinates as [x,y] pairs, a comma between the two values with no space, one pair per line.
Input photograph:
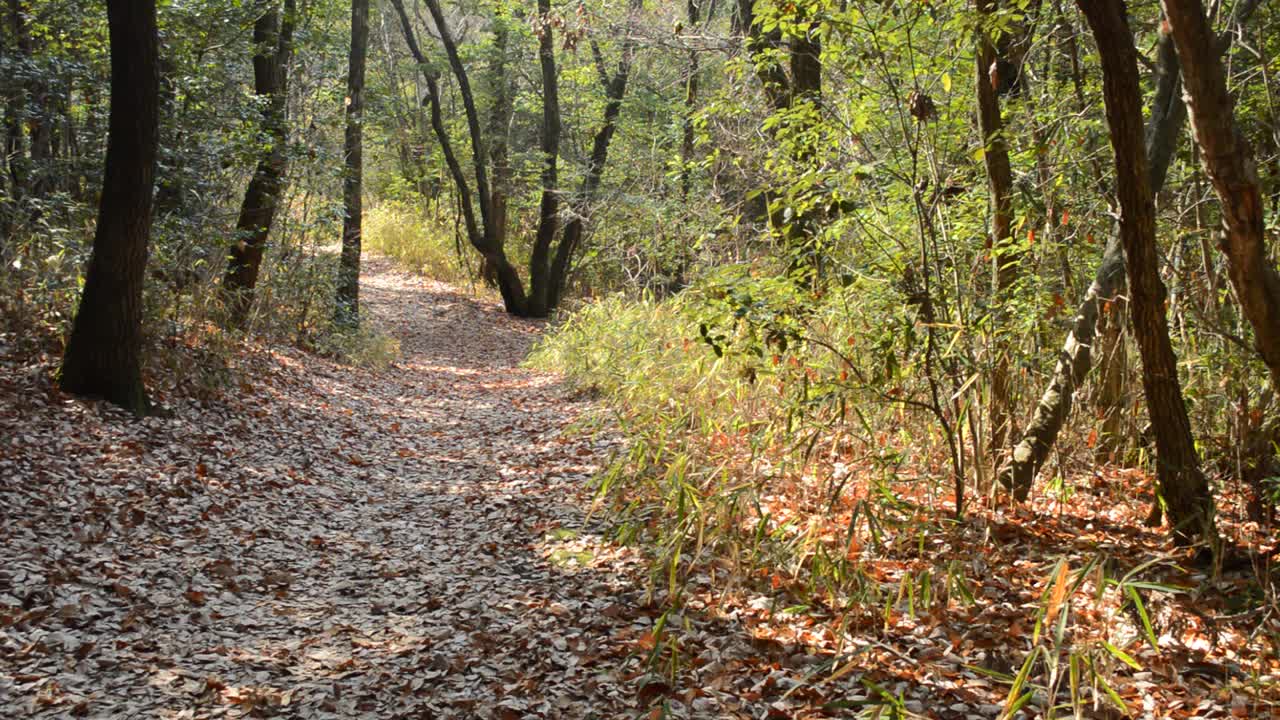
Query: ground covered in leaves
[327,541]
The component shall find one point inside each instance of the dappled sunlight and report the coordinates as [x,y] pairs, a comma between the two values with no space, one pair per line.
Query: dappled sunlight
[330,541]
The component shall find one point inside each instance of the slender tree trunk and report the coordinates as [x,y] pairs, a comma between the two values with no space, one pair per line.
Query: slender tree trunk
[1168,114]
[802,49]
[35,108]
[347,308]
[104,352]
[273,39]
[499,127]
[1182,485]
[1229,162]
[1005,256]
[690,103]
[481,234]
[1113,367]
[402,111]
[763,47]
[549,205]
[18,41]
[615,89]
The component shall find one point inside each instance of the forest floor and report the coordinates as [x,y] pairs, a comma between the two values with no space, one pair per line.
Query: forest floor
[327,541]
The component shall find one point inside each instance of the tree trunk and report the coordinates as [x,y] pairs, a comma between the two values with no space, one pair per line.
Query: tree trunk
[499,127]
[1168,113]
[1229,163]
[1004,256]
[104,352]
[481,235]
[35,107]
[18,41]
[1182,485]
[803,51]
[615,89]
[1113,366]
[762,47]
[347,308]
[549,205]
[690,103]
[273,40]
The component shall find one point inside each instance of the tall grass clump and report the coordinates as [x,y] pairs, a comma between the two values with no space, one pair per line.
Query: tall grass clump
[734,422]
[418,240]
[667,393]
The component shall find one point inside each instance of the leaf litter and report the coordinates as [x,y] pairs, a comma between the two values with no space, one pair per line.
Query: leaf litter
[326,541]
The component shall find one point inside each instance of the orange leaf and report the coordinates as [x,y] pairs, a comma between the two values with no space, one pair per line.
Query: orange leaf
[1058,594]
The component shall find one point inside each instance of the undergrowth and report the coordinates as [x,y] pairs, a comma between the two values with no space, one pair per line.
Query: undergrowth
[188,349]
[418,239]
[791,453]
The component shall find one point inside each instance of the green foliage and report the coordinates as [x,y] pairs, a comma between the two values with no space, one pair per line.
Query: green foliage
[417,238]
[362,346]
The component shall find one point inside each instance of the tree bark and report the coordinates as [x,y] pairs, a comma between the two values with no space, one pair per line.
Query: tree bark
[1168,114]
[483,238]
[1004,255]
[347,308]
[104,352]
[1182,484]
[273,42]
[1229,163]
[549,205]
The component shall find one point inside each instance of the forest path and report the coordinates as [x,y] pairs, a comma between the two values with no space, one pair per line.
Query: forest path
[322,541]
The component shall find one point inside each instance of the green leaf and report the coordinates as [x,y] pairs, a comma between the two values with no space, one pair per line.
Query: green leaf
[1122,656]
[1142,615]
[1115,698]
[1018,682]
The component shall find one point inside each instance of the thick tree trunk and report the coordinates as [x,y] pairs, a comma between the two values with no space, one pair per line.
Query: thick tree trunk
[347,308]
[1182,484]
[1005,256]
[103,355]
[273,40]
[1229,162]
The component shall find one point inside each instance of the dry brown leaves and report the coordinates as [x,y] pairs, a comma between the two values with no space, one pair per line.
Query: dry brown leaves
[333,542]
[324,541]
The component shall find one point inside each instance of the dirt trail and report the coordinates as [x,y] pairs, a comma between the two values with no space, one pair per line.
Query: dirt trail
[325,541]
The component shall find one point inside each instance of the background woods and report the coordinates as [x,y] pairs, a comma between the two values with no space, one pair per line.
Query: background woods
[867,289]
